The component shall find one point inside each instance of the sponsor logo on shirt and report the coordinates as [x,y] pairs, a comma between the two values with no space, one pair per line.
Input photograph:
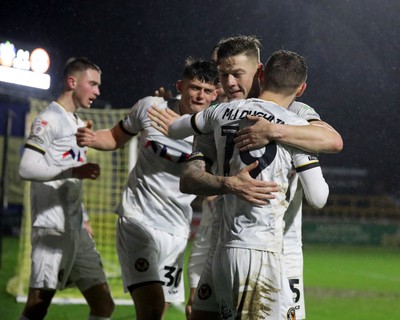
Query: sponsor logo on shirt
[36,139]
[73,155]
[312,158]
[162,151]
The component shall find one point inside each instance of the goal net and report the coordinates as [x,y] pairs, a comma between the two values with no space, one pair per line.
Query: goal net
[100,198]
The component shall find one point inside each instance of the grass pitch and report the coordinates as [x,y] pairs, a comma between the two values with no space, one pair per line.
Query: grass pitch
[342,282]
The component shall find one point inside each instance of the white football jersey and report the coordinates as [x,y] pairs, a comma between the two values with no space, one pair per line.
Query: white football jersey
[57,204]
[293,215]
[244,224]
[304,111]
[152,193]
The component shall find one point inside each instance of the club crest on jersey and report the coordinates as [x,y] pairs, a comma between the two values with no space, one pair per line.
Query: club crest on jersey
[291,314]
[141,265]
[204,291]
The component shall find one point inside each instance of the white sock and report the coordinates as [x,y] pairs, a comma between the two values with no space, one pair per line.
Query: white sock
[22,317]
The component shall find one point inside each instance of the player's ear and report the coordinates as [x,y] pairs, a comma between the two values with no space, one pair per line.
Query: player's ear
[260,72]
[71,82]
[301,89]
[261,76]
[179,85]
[215,95]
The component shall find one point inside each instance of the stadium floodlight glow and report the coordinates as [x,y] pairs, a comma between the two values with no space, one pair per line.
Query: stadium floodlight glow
[24,68]
[25,78]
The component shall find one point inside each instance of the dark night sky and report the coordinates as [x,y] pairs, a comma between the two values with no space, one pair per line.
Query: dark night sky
[352,49]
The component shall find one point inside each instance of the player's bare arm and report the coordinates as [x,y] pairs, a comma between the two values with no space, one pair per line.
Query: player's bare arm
[319,137]
[108,139]
[255,136]
[162,118]
[196,180]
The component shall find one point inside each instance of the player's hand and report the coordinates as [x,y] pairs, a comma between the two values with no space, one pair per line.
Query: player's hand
[255,136]
[188,311]
[89,124]
[86,171]
[162,118]
[163,93]
[188,308]
[85,136]
[249,189]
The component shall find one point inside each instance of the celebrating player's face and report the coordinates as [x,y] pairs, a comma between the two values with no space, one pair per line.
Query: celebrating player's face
[196,95]
[86,88]
[239,77]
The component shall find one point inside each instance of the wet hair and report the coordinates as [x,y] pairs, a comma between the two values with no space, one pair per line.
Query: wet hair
[285,70]
[78,65]
[233,46]
[202,70]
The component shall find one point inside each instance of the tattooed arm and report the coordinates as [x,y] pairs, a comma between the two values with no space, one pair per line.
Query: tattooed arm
[196,179]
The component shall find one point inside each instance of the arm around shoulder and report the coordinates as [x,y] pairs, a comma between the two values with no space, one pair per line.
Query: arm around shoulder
[181,127]
[318,137]
[196,180]
[107,139]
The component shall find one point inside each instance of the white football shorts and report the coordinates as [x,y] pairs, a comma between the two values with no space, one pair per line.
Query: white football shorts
[293,258]
[201,244]
[64,259]
[196,261]
[251,284]
[151,255]
[205,299]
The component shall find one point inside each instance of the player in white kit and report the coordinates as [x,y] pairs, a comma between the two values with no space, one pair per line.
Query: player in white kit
[202,241]
[239,68]
[292,239]
[63,252]
[154,222]
[246,226]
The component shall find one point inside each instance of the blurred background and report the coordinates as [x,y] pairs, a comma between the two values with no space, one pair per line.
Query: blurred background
[352,49]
